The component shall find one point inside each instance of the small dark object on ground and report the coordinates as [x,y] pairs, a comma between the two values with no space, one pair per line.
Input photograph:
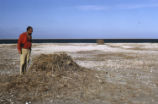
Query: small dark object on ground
[100,42]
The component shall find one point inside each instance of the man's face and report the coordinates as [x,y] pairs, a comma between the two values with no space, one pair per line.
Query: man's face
[30,31]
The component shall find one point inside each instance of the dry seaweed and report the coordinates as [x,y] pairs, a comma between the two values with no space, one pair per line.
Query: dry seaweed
[52,76]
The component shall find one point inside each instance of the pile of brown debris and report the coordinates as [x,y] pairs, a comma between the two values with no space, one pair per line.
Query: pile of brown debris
[55,63]
[50,77]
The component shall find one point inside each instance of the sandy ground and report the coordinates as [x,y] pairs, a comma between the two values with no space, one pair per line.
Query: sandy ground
[132,66]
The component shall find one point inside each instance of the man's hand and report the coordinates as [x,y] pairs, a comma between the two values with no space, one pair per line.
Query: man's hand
[30,50]
[19,52]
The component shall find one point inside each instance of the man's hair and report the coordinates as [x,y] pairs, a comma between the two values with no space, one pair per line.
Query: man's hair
[29,27]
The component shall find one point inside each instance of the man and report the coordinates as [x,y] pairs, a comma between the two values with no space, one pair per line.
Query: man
[24,48]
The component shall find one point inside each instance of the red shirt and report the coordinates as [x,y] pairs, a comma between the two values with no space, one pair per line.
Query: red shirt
[24,41]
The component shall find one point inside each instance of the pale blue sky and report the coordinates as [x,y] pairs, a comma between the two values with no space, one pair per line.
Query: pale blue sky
[80,18]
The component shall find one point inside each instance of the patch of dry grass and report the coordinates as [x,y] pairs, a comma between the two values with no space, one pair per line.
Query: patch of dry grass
[88,52]
[55,77]
[50,76]
[137,47]
[117,55]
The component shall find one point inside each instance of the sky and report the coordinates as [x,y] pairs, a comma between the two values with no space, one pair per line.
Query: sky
[80,19]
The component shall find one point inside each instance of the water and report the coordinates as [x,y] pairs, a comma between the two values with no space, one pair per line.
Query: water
[11,41]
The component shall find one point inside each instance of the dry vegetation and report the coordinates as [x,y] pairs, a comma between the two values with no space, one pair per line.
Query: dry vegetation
[53,76]
[124,77]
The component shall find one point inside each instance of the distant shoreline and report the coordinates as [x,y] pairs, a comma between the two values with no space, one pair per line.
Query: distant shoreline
[11,41]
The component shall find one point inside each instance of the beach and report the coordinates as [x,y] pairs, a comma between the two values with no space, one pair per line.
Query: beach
[131,68]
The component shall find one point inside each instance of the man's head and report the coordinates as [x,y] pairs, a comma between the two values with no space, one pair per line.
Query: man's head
[29,30]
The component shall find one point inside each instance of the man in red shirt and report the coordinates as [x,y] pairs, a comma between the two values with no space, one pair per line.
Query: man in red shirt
[24,48]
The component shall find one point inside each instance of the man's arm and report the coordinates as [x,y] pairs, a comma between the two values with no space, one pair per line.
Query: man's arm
[19,44]
[31,45]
